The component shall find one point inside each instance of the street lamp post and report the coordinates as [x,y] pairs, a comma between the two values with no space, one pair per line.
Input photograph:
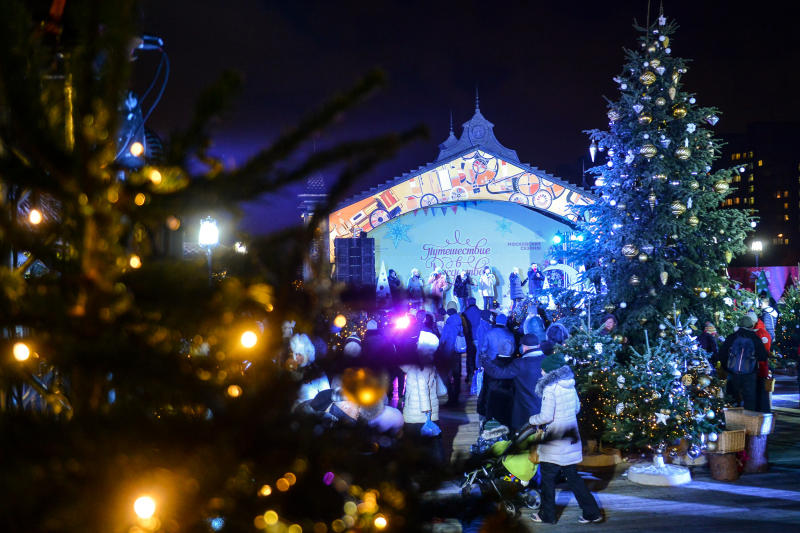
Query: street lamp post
[756,247]
[208,238]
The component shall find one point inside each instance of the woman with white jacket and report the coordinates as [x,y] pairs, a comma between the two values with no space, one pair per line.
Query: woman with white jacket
[421,400]
[560,449]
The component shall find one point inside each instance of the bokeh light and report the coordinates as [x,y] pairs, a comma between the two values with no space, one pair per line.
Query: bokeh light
[155,177]
[340,321]
[139,199]
[137,149]
[173,223]
[265,491]
[271,518]
[21,351]
[380,522]
[35,216]
[234,391]
[144,507]
[249,339]
[282,484]
[135,261]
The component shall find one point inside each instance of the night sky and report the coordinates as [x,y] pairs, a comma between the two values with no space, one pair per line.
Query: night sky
[542,69]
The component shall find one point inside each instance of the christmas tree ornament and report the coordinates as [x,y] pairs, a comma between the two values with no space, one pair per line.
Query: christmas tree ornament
[686,380]
[691,127]
[645,118]
[665,142]
[630,250]
[660,70]
[643,320]
[710,414]
[623,305]
[721,186]
[694,185]
[618,339]
[593,150]
[655,62]
[647,77]
[663,277]
[672,92]
[683,153]
[651,199]
[662,334]
[676,76]
[619,408]
[728,258]
[677,208]
[634,280]
[643,257]
[679,111]
[613,116]
[660,177]
[692,100]
[693,220]
[712,119]
[621,382]
[648,150]
[637,108]
[648,249]
[661,101]
[652,49]
[609,308]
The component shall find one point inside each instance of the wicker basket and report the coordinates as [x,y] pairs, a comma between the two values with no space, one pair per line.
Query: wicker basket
[753,422]
[731,440]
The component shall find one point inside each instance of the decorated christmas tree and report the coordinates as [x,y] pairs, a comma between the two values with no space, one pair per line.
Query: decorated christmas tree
[657,237]
[787,332]
[142,392]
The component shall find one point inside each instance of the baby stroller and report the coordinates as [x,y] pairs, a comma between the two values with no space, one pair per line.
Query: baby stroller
[506,471]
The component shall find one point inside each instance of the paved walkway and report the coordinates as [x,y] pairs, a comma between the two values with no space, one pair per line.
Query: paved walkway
[755,502]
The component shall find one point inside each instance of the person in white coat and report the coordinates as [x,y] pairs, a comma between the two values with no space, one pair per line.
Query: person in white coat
[486,286]
[560,449]
[421,400]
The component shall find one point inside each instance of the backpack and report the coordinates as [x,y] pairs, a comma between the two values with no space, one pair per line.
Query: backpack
[742,356]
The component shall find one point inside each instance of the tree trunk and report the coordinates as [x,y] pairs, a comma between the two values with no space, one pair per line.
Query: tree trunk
[723,466]
[756,448]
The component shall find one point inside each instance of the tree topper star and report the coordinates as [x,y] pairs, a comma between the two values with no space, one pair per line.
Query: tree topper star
[661,418]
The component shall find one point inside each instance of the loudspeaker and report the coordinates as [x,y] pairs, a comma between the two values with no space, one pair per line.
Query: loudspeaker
[354,260]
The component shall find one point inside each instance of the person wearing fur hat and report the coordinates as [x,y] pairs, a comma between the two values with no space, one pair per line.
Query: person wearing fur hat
[421,399]
[557,333]
[415,289]
[742,352]
[499,342]
[560,449]
[313,381]
[708,340]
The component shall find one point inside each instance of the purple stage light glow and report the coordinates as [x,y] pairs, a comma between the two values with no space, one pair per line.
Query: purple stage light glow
[402,322]
[328,478]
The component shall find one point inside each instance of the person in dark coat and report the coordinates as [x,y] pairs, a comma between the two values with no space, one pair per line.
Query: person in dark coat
[462,290]
[499,341]
[515,284]
[535,280]
[525,371]
[741,352]
[708,340]
[471,321]
[450,358]
[395,286]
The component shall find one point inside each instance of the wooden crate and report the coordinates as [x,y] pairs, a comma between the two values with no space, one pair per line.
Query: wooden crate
[731,440]
[753,422]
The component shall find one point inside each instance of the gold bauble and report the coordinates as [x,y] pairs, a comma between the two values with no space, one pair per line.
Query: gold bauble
[618,338]
[663,277]
[655,62]
[686,380]
[613,115]
[675,76]
[677,208]
[634,280]
[661,101]
[652,48]
[648,150]
[679,111]
[630,250]
[683,153]
[721,186]
[662,334]
[694,185]
[647,78]
[722,289]
[660,177]
[671,91]
[693,220]
[643,257]
[704,381]
[645,118]
[643,320]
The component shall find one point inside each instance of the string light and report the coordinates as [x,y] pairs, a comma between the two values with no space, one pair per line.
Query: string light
[139,199]
[137,149]
[234,391]
[144,507]
[248,339]
[135,261]
[380,522]
[340,321]
[21,351]
[155,177]
[35,217]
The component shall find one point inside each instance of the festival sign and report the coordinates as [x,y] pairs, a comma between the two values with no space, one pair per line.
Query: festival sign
[477,175]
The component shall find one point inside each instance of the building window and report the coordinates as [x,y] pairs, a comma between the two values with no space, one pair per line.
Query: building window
[737,178]
[786,218]
[737,200]
[760,163]
[785,241]
[750,177]
[786,205]
[751,201]
[786,194]
[750,188]
[751,154]
[778,194]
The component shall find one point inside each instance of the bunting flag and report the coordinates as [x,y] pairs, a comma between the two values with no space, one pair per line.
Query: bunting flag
[444,210]
[454,208]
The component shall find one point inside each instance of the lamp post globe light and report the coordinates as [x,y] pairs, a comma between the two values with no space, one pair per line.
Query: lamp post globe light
[756,247]
[208,237]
